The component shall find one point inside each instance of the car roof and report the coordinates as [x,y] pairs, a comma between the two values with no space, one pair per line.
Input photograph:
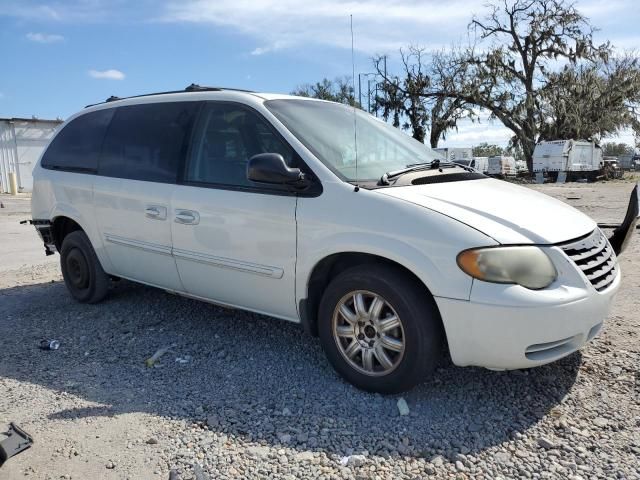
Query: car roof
[192,92]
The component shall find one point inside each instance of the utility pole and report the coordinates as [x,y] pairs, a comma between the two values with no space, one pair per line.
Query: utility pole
[386,99]
[366,75]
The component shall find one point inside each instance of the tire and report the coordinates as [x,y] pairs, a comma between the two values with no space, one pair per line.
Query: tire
[83,275]
[419,331]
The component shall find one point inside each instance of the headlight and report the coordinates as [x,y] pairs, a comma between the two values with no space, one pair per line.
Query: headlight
[526,266]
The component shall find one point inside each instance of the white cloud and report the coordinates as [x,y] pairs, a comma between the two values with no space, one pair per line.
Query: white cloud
[44,37]
[379,25]
[278,45]
[71,11]
[470,134]
[110,74]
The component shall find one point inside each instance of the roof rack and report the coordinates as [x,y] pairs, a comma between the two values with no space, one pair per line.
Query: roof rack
[194,87]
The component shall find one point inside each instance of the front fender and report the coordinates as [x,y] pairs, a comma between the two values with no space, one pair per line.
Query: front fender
[423,241]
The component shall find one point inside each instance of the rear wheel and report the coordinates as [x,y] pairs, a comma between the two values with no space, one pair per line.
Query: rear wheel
[379,329]
[83,275]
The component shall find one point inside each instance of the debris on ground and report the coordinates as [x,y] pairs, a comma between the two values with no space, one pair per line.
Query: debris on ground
[16,441]
[352,460]
[49,344]
[403,408]
[184,359]
[151,361]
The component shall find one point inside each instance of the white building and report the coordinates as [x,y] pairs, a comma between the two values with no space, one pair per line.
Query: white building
[21,143]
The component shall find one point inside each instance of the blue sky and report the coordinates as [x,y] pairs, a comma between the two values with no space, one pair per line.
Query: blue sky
[61,55]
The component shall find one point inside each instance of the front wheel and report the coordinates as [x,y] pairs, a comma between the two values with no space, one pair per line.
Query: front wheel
[379,329]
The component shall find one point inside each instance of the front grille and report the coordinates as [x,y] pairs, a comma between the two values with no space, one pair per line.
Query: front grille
[595,257]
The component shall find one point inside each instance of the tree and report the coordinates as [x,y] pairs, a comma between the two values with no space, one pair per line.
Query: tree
[402,99]
[612,149]
[406,97]
[504,69]
[486,150]
[592,100]
[338,90]
[524,37]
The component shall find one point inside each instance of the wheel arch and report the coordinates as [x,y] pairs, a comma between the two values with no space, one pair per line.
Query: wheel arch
[64,222]
[328,268]
[61,226]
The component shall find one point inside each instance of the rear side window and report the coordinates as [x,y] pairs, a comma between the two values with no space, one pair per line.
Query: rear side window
[77,146]
[148,142]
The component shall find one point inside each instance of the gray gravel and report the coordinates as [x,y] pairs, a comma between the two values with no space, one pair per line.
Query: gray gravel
[244,396]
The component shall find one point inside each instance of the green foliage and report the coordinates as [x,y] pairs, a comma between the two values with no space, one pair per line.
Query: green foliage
[591,100]
[403,98]
[338,90]
[486,150]
[612,149]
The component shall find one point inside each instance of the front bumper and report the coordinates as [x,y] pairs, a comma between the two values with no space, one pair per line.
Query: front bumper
[507,326]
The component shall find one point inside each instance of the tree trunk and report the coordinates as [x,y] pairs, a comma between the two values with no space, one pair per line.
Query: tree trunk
[528,145]
[419,133]
[434,137]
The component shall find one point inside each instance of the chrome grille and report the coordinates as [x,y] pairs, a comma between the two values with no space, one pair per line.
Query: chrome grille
[595,257]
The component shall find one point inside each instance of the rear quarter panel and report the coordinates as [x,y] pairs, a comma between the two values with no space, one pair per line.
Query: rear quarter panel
[67,194]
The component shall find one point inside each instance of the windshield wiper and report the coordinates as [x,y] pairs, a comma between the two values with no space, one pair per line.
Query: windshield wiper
[432,165]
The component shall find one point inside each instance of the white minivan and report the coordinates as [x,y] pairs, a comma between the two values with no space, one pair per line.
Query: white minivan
[279,205]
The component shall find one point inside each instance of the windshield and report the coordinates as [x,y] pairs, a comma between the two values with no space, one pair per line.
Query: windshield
[327,130]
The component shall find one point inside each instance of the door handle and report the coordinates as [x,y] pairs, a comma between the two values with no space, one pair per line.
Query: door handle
[155,212]
[187,217]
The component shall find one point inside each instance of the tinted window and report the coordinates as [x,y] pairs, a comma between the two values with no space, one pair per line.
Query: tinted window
[147,142]
[77,146]
[227,136]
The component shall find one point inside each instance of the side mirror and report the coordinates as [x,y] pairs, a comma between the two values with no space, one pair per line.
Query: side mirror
[271,168]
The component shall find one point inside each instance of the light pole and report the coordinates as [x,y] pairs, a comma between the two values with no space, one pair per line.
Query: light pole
[367,74]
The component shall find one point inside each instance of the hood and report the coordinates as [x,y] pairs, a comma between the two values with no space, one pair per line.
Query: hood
[506,212]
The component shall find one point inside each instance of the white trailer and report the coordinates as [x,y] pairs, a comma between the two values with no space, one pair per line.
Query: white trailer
[577,158]
[481,164]
[21,143]
[461,155]
[521,166]
[502,166]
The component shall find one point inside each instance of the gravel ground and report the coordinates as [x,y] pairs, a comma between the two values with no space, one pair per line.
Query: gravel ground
[243,396]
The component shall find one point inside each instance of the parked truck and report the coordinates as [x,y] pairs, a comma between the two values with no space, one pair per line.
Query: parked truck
[481,164]
[629,161]
[502,166]
[579,159]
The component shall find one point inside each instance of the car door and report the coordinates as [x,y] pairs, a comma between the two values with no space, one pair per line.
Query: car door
[141,154]
[234,241]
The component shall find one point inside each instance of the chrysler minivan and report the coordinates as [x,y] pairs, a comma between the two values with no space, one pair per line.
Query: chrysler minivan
[318,213]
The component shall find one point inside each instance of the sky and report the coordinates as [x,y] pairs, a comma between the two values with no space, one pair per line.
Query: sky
[58,56]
